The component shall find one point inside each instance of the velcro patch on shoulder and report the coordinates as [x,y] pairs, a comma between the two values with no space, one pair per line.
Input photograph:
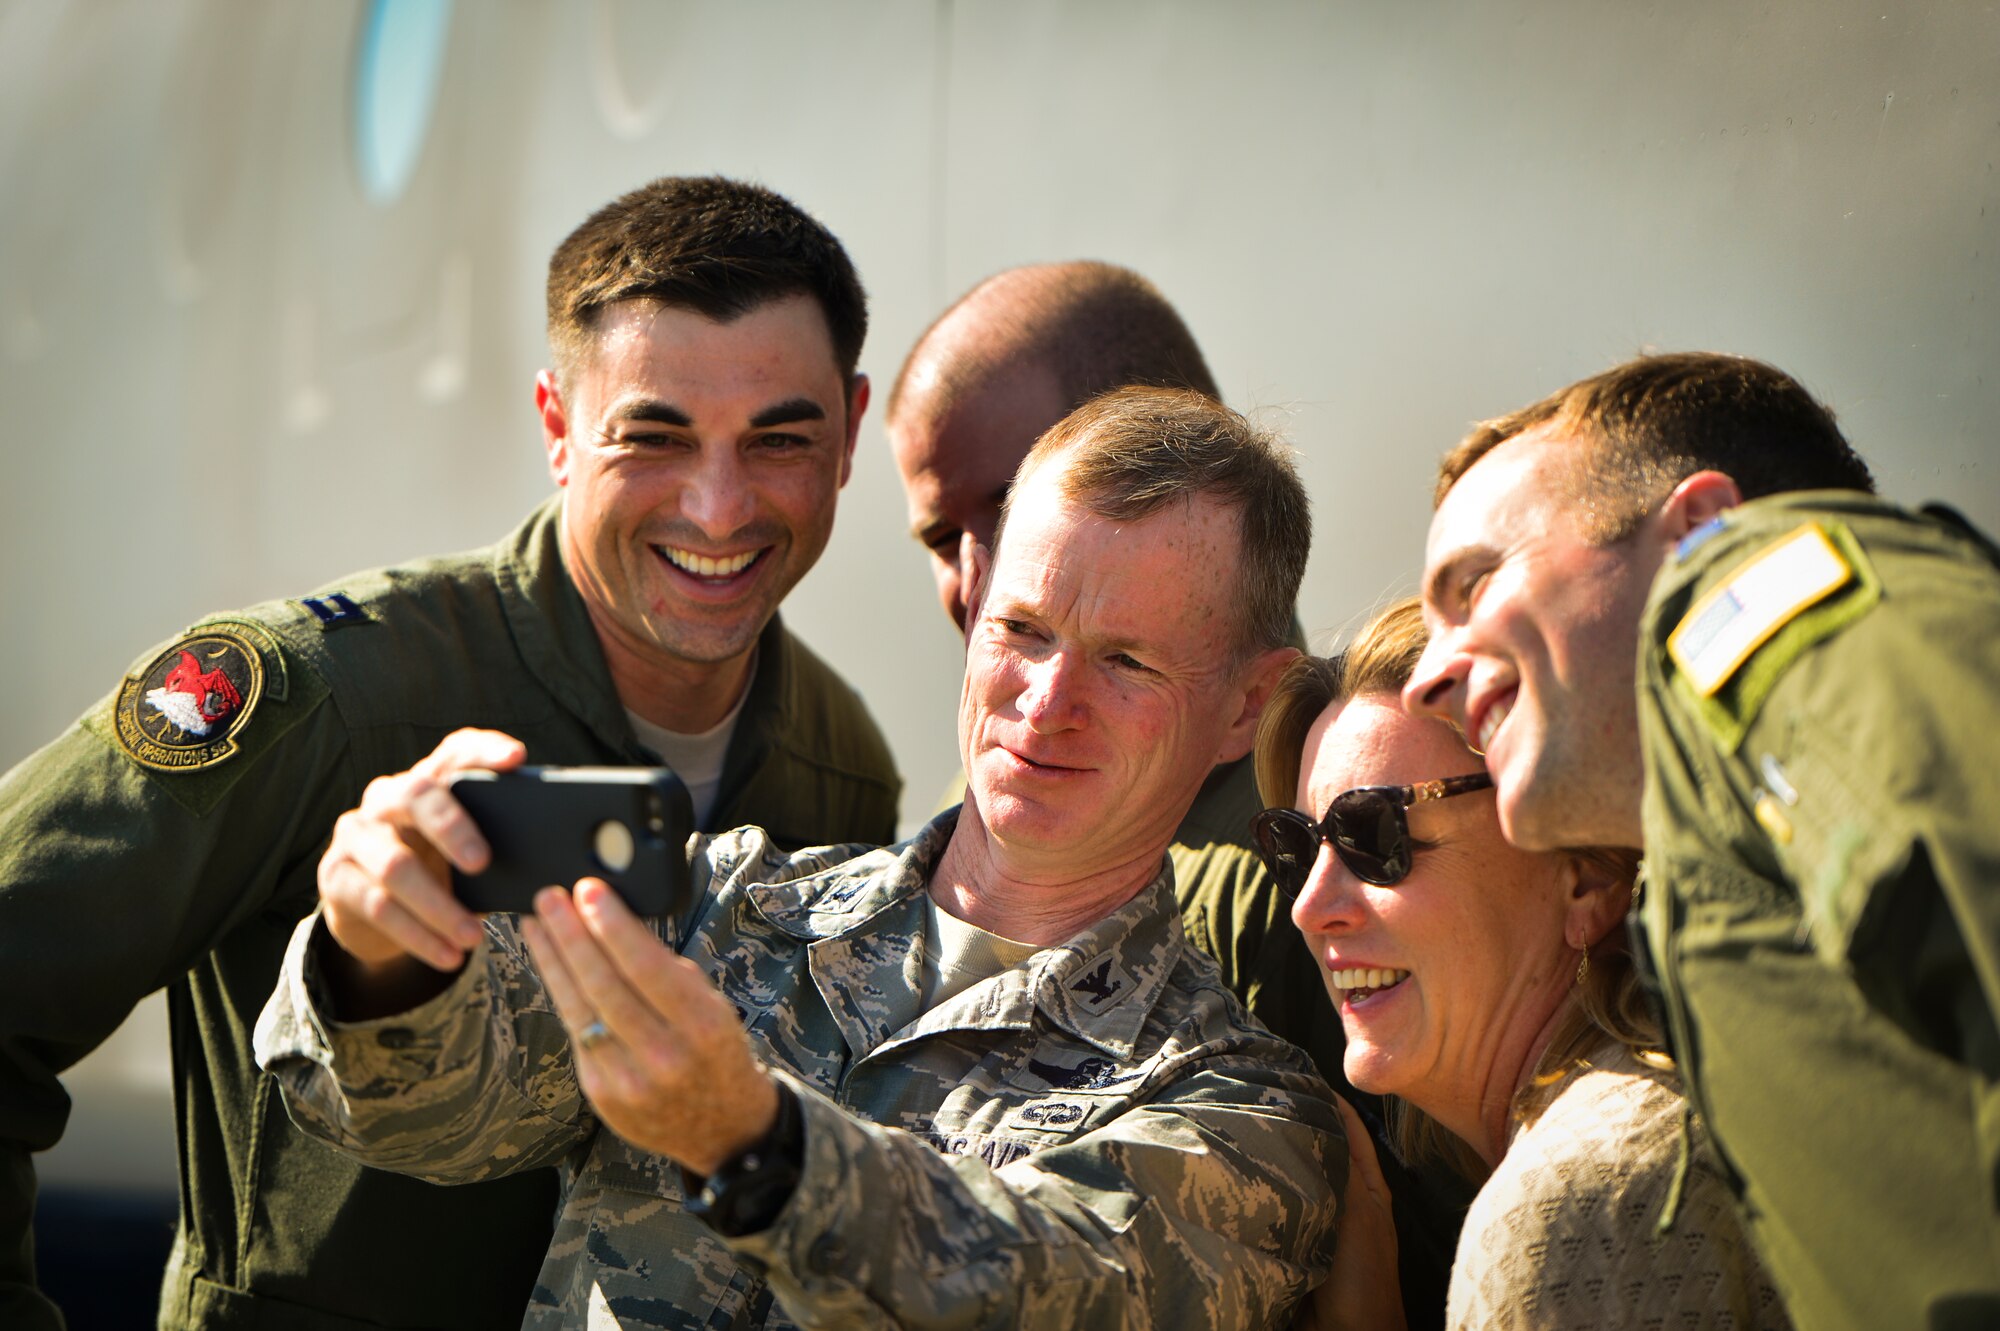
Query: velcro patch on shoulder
[335,610]
[1732,646]
[183,710]
[1737,617]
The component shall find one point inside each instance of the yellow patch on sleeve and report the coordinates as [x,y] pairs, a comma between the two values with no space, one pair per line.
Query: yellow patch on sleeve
[1727,625]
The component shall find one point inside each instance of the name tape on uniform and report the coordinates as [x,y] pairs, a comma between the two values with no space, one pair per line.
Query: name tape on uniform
[1733,620]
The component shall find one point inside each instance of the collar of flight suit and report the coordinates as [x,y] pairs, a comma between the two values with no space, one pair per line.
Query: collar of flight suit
[1099,985]
[1756,519]
[552,628]
[558,642]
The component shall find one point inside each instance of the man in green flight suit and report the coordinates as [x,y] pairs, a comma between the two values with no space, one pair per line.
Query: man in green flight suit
[1808,763]
[700,421]
[997,369]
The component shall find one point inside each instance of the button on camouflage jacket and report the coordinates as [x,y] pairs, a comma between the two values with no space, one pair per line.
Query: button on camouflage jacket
[1098,1137]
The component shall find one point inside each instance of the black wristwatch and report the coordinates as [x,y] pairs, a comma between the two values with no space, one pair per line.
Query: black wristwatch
[746,1191]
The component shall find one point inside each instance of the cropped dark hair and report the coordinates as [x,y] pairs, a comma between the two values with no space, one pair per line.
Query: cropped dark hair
[715,246]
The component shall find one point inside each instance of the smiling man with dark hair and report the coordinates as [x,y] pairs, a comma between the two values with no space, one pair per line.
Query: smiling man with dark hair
[700,421]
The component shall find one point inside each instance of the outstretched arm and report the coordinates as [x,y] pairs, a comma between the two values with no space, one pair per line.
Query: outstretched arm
[1209,1204]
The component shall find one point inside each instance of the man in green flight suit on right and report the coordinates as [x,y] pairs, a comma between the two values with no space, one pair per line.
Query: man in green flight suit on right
[1808,763]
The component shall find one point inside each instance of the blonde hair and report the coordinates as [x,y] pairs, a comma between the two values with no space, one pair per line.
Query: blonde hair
[1609,1001]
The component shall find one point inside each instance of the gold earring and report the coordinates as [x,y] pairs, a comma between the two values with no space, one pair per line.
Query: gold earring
[1582,965]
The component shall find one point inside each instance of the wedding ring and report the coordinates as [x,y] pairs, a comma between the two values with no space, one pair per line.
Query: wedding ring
[592,1035]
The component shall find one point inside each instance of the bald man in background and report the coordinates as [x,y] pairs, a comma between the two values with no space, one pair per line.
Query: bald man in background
[1012,357]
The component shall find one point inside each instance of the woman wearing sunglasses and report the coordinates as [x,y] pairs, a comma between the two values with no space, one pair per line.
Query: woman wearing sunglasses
[1489,991]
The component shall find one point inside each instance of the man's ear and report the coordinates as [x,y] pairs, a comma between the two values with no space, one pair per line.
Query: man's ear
[1697,500]
[975,563]
[1256,679]
[1599,895]
[857,407]
[555,424]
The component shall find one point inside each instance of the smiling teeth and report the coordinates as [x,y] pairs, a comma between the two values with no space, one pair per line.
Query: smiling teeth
[1491,725]
[1367,977]
[704,567]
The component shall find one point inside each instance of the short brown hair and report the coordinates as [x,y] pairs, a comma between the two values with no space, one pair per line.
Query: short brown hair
[1380,661]
[1130,453]
[715,246]
[1649,424]
[1096,326]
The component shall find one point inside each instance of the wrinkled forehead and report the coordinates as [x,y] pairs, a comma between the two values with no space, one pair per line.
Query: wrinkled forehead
[1168,575]
[786,331]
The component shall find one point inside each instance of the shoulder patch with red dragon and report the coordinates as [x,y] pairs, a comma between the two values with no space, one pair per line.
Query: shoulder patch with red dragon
[183,710]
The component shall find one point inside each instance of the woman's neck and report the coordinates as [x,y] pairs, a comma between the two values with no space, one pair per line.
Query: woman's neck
[1484,1117]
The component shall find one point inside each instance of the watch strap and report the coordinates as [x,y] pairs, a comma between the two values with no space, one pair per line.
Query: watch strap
[747,1191]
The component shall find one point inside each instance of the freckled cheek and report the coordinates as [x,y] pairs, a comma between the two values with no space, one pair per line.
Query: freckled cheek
[1153,724]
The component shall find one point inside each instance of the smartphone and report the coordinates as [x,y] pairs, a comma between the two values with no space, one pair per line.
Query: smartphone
[553,825]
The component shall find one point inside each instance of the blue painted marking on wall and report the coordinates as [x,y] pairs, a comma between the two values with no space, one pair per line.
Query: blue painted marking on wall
[396,76]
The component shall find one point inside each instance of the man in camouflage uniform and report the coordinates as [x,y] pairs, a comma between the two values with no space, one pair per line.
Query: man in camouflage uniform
[1808,764]
[980,1079]
[700,421]
[1005,362]
[1008,360]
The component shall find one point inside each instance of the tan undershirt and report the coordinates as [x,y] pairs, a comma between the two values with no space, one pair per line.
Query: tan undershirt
[958,955]
[696,759]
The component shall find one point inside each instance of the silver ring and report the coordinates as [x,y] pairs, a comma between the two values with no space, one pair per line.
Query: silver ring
[593,1035]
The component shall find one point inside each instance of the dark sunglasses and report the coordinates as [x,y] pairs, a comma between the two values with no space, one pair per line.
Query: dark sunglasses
[1367,825]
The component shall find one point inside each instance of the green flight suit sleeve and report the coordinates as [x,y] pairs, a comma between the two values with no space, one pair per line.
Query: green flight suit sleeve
[1824,828]
[1210,1206]
[114,880]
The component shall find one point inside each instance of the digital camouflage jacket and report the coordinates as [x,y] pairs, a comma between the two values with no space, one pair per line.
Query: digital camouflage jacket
[1098,1137]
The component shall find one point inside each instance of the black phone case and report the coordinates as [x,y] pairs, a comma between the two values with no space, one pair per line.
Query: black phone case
[542,824]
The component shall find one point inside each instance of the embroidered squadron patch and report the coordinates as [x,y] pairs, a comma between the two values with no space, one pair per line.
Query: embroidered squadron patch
[1734,619]
[184,710]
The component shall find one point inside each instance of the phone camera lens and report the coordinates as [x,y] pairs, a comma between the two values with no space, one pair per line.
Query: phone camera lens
[613,845]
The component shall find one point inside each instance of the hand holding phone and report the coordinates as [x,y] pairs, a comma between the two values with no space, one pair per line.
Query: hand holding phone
[550,826]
